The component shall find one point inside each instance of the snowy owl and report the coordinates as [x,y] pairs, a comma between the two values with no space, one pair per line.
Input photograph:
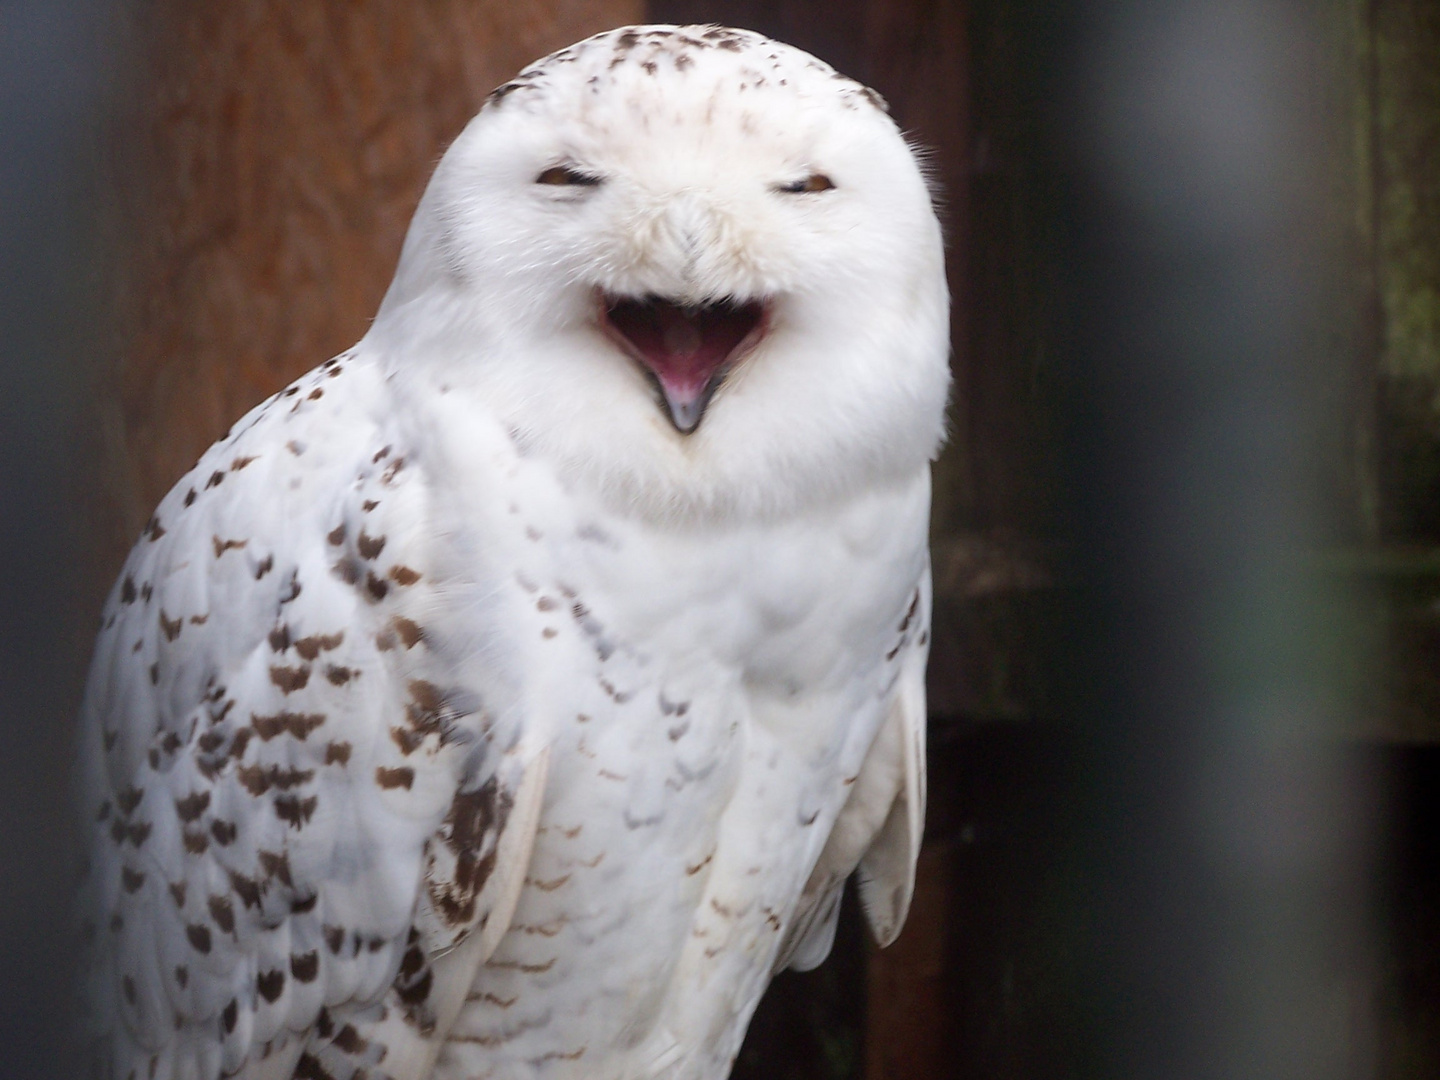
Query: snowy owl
[511,696]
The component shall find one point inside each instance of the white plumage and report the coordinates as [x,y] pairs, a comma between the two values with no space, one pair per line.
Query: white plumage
[510,696]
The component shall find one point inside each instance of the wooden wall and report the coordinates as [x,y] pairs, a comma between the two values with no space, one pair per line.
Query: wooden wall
[267,158]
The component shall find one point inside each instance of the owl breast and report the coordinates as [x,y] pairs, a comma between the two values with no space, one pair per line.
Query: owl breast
[709,697]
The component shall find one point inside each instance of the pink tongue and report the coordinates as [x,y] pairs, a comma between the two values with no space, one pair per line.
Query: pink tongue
[684,347]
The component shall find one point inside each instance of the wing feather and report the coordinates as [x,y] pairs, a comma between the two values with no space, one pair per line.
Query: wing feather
[877,834]
[273,756]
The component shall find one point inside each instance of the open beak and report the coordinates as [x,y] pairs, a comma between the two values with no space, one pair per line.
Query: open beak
[686,349]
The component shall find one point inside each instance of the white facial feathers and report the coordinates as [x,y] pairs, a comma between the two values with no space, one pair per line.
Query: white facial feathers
[698,166]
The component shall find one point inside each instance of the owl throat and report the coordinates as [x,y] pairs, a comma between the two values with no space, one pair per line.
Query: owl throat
[687,350]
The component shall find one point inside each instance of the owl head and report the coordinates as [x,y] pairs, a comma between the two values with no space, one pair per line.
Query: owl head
[696,268]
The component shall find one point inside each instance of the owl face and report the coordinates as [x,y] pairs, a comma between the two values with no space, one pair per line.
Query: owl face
[692,219]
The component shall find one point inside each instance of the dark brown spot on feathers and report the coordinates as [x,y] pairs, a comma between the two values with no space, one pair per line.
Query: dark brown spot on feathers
[311,647]
[223,831]
[296,725]
[192,806]
[496,96]
[131,879]
[430,710]
[369,546]
[339,676]
[127,590]
[334,938]
[336,536]
[177,893]
[402,575]
[337,753]
[294,810]
[473,816]
[229,1016]
[240,463]
[190,497]
[407,740]
[290,679]
[348,1040]
[348,570]
[305,966]
[154,674]
[222,913]
[292,589]
[393,778]
[280,638]
[129,798]
[309,1068]
[222,546]
[315,395]
[199,937]
[416,993]
[271,984]
[154,530]
[910,612]
[259,779]
[380,455]
[410,631]
[276,866]
[300,905]
[376,587]
[246,888]
[195,843]
[215,479]
[691,871]
[369,504]
[264,566]
[182,976]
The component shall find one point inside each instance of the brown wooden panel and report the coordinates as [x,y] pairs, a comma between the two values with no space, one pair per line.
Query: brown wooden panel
[268,158]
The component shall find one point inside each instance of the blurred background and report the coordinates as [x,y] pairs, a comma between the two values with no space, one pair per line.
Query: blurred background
[1185,785]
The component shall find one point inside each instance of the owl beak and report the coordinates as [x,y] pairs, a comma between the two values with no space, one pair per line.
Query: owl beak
[687,350]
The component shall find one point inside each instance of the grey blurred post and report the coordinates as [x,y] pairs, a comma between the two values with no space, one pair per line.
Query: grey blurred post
[1223,848]
[54,70]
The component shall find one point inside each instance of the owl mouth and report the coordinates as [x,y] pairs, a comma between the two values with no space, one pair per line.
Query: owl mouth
[687,349]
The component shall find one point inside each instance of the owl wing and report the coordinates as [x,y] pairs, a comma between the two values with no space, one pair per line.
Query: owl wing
[877,833]
[307,825]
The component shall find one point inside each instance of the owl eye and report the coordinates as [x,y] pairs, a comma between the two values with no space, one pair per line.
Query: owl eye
[813,182]
[566,176]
